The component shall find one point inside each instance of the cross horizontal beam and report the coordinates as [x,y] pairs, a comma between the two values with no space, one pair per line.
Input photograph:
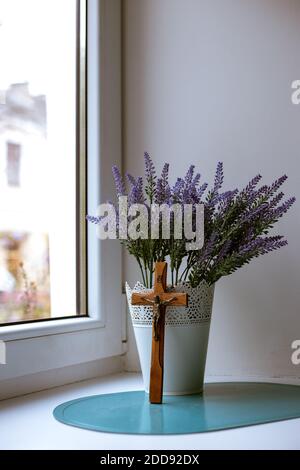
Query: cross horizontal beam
[172,299]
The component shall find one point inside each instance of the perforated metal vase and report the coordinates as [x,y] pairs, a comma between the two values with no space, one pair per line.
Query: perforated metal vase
[186,338]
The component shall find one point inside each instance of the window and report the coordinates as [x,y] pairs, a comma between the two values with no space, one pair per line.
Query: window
[13,164]
[49,345]
[42,153]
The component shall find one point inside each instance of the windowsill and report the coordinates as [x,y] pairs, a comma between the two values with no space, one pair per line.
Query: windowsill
[55,435]
[46,328]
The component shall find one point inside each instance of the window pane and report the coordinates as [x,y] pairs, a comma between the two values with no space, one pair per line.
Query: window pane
[37,159]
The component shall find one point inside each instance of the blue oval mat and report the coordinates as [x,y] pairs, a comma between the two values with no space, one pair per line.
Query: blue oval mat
[222,406]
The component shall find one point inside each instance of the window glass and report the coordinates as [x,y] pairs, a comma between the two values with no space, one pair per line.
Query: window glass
[38,85]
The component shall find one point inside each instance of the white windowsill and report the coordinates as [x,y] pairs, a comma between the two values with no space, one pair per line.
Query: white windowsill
[46,328]
[37,408]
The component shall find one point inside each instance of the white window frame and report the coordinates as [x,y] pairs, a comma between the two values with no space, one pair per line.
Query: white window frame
[42,346]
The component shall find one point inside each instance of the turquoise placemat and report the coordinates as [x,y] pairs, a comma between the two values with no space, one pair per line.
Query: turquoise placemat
[222,406]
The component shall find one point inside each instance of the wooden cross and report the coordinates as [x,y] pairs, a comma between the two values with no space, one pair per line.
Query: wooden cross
[159,299]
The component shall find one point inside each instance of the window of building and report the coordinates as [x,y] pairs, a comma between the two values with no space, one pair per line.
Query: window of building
[13,164]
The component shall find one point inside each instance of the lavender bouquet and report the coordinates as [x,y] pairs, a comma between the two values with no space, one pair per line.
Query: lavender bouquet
[236,223]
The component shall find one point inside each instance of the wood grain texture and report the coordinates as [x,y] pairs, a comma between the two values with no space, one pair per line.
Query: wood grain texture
[160,277]
[157,362]
[175,298]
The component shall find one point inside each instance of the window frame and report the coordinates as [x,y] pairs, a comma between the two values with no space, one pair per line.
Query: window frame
[81,174]
[41,346]
[81,158]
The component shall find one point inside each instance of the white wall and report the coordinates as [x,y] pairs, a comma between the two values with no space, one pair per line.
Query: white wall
[209,80]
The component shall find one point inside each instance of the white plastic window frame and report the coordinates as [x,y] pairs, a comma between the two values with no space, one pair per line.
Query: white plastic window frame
[36,347]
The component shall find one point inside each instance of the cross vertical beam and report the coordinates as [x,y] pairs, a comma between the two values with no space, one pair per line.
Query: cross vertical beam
[159,299]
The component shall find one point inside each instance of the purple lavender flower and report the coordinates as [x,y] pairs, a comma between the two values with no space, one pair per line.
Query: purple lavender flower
[273,203]
[219,177]
[193,190]
[177,191]
[261,192]
[189,175]
[165,173]
[202,190]
[213,195]
[266,192]
[279,211]
[208,247]
[163,191]
[250,247]
[131,179]
[252,213]
[149,167]
[249,235]
[249,192]
[196,180]
[262,245]
[236,222]
[189,191]
[150,173]
[276,185]
[252,185]
[92,219]
[97,219]
[272,244]
[120,186]
[187,196]
[224,201]
[223,252]
[136,195]
[227,195]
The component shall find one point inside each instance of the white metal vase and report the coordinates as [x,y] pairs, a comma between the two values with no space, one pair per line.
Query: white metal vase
[186,338]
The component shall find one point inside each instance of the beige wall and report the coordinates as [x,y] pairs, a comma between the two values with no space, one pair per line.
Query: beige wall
[209,80]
